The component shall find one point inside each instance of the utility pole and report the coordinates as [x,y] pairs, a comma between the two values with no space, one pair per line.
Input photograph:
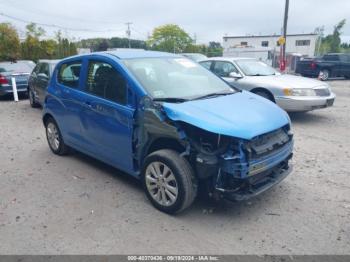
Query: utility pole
[128,32]
[283,54]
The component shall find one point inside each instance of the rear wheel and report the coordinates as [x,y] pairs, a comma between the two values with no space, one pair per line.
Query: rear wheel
[324,74]
[168,181]
[32,101]
[54,138]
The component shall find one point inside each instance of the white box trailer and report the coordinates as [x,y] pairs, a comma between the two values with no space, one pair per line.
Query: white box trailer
[264,54]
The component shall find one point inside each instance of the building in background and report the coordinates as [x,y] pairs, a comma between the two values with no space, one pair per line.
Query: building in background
[267,49]
[304,44]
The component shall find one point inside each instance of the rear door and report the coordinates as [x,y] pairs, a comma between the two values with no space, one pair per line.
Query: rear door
[42,81]
[72,99]
[107,120]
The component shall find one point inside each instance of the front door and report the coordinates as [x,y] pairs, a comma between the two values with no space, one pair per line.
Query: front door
[107,121]
[223,69]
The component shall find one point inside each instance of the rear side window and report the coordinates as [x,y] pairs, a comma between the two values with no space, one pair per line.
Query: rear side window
[105,81]
[331,58]
[69,74]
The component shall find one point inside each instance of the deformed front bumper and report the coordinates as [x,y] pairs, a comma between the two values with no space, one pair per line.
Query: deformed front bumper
[258,184]
[304,103]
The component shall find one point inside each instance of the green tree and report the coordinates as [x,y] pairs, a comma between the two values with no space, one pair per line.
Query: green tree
[331,43]
[170,38]
[9,42]
[31,47]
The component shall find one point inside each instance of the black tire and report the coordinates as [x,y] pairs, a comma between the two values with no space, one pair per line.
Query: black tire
[324,74]
[32,101]
[186,182]
[264,94]
[62,148]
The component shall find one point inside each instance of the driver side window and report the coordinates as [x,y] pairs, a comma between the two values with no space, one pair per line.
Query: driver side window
[223,68]
[106,82]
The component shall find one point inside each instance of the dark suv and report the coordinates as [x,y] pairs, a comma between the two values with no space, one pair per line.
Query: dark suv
[39,80]
[330,65]
[168,121]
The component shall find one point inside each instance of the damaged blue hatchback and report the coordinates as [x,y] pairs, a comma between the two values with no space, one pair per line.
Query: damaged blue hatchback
[169,122]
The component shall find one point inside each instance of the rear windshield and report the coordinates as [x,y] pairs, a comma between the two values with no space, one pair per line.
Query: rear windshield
[19,67]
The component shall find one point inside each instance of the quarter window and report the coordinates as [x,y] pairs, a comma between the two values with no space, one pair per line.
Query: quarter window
[69,74]
[106,82]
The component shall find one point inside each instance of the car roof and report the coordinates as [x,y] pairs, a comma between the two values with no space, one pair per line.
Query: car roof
[129,54]
[227,59]
[49,61]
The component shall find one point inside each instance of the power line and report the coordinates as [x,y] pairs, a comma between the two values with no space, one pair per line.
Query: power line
[57,26]
[63,17]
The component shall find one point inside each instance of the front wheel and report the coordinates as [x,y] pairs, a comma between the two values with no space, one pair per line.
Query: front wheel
[264,95]
[54,138]
[168,181]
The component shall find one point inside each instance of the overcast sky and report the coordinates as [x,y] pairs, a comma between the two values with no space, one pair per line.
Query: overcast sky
[209,20]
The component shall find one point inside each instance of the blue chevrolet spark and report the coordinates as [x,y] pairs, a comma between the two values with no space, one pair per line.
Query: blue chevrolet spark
[169,122]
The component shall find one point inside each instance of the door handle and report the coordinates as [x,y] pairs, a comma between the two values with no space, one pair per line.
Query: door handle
[88,104]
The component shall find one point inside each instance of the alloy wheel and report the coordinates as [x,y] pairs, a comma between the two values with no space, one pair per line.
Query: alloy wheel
[53,136]
[161,183]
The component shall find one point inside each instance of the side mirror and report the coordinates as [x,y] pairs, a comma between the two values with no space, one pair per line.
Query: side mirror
[235,75]
[43,76]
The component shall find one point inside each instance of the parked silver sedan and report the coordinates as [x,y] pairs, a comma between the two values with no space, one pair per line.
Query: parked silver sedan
[292,93]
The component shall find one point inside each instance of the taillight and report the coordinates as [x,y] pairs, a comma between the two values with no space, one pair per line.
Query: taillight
[3,80]
[313,65]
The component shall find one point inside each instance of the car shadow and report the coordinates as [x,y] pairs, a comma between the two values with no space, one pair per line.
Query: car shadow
[308,118]
[9,97]
[107,169]
[203,205]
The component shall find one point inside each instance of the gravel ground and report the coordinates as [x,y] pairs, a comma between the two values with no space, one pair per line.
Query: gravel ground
[76,205]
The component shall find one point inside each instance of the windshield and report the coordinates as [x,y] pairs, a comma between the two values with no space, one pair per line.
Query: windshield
[196,57]
[255,68]
[19,67]
[175,78]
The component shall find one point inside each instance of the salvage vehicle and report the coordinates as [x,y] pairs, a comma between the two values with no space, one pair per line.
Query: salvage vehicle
[39,81]
[171,123]
[19,70]
[329,65]
[290,92]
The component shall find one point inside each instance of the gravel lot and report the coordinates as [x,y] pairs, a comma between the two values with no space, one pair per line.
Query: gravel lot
[76,205]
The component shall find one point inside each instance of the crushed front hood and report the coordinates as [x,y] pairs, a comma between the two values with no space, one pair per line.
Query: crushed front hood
[243,114]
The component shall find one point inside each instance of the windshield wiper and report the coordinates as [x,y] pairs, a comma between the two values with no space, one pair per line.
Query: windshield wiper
[213,95]
[261,75]
[170,99]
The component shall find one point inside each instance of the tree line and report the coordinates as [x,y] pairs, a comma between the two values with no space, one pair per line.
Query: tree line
[33,47]
[168,38]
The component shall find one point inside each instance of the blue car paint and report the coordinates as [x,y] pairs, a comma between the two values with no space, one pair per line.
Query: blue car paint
[242,115]
[108,136]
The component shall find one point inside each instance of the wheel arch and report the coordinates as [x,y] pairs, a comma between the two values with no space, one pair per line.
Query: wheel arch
[265,90]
